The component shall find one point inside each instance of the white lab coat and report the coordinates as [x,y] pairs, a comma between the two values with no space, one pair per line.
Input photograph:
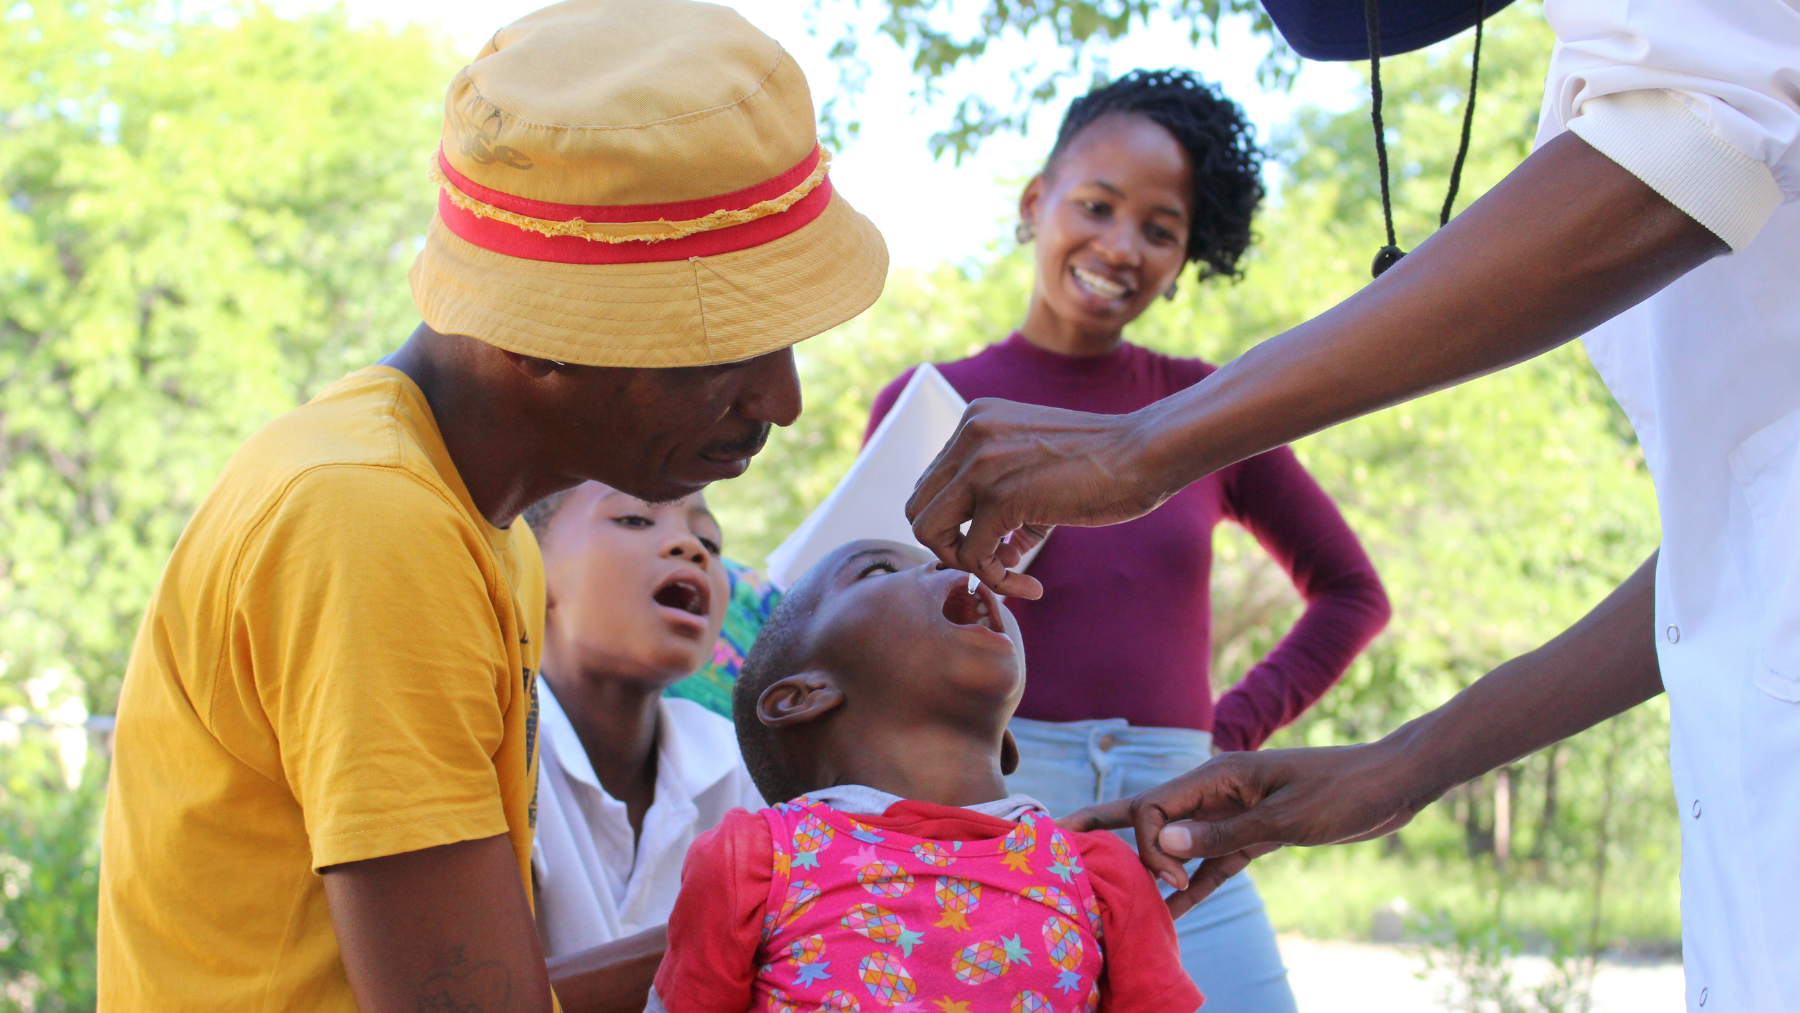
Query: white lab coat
[1701,99]
[593,885]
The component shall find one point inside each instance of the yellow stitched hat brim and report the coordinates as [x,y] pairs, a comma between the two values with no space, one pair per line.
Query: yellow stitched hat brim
[675,313]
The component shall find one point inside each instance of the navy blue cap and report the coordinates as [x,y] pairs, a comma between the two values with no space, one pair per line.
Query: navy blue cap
[1339,30]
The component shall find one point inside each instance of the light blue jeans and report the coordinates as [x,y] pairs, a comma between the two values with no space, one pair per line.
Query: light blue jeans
[1227,944]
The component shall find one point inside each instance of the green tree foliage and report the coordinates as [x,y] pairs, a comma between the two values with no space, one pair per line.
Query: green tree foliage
[940,40]
[49,879]
[203,223]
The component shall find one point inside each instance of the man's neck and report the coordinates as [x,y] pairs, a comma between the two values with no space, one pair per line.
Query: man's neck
[618,723]
[492,444]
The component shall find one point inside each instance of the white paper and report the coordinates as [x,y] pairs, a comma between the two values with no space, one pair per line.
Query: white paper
[870,500]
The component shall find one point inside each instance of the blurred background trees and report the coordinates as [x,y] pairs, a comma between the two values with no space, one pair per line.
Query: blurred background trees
[206,220]
[202,224]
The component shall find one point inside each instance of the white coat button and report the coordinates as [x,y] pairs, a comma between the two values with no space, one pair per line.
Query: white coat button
[1674,634]
[1696,808]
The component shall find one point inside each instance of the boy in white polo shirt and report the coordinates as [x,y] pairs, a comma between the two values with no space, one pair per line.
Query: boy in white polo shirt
[636,594]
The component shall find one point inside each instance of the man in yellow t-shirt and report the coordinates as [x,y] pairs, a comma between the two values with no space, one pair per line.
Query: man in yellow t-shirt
[323,782]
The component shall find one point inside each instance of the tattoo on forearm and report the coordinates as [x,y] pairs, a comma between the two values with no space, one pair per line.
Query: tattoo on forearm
[459,986]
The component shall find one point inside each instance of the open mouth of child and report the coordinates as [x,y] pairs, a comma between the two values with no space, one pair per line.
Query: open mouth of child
[978,609]
[686,599]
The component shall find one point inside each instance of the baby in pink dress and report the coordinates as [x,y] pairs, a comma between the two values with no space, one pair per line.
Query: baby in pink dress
[901,875]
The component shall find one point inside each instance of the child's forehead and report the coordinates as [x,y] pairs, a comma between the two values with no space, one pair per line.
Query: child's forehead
[865,551]
[607,496]
[838,571]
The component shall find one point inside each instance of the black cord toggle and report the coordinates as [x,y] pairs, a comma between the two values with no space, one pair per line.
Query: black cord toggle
[1390,254]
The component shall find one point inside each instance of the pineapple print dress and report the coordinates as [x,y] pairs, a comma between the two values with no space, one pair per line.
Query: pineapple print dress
[860,918]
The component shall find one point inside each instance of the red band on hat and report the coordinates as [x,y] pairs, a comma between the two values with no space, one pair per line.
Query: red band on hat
[513,241]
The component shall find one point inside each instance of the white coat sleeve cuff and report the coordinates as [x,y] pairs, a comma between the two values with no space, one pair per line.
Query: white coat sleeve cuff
[655,1005]
[1657,138]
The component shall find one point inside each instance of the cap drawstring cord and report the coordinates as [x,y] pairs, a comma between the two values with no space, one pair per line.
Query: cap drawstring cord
[1462,150]
[1390,254]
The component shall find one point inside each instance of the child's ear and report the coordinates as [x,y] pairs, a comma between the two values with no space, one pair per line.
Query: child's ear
[798,699]
[1009,754]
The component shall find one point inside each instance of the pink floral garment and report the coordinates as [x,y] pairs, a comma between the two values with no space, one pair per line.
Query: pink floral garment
[866,919]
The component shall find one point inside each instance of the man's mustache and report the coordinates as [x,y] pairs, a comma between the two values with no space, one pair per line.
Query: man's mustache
[748,445]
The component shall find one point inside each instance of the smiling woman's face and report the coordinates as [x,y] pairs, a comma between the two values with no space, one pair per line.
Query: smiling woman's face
[1111,216]
[634,590]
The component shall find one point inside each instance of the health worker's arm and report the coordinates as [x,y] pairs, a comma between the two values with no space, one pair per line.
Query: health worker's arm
[446,927]
[1244,804]
[1566,241]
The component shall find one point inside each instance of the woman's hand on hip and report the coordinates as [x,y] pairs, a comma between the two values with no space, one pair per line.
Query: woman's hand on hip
[1017,470]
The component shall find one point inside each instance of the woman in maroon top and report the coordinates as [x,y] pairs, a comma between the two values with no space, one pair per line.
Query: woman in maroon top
[1148,173]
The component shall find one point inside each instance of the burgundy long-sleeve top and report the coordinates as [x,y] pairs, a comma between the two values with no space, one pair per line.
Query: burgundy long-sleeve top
[1124,629]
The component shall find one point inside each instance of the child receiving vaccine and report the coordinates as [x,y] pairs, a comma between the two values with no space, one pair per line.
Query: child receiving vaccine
[900,874]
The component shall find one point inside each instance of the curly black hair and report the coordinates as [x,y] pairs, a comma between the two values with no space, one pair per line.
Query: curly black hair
[1220,144]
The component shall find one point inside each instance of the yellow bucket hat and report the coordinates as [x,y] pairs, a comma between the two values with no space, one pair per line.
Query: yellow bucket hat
[638,183]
